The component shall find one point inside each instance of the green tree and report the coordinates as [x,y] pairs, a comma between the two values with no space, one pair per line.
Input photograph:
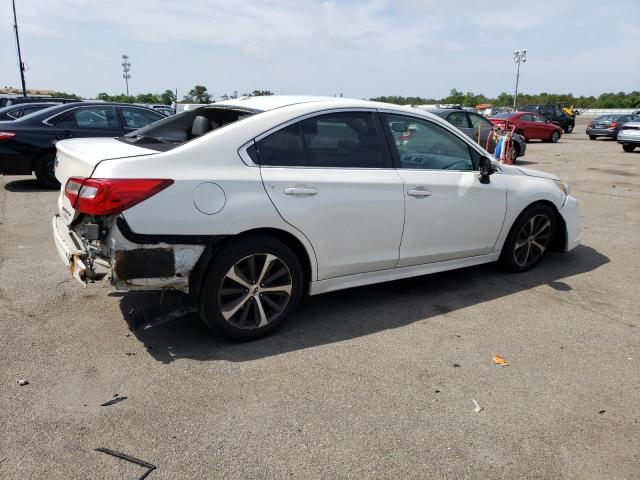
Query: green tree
[167,98]
[198,94]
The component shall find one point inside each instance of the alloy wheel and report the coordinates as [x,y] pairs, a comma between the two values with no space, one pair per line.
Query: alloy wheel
[255,291]
[532,240]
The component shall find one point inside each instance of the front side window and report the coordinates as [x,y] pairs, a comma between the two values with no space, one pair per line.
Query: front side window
[424,145]
[539,119]
[102,117]
[137,117]
[333,140]
[526,118]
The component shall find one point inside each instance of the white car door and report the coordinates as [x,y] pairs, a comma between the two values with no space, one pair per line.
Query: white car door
[331,176]
[449,214]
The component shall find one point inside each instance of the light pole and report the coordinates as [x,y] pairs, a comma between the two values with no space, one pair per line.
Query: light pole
[125,71]
[518,57]
[20,63]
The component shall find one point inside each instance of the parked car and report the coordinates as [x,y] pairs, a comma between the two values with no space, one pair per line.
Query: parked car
[250,203]
[5,101]
[608,125]
[28,144]
[629,136]
[479,128]
[166,110]
[555,113]
[13,112]
[530,125]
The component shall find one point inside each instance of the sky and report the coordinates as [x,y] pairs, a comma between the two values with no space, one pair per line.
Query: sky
[358,48]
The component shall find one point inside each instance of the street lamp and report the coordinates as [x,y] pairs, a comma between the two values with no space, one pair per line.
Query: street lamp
[125,71]
[518,57]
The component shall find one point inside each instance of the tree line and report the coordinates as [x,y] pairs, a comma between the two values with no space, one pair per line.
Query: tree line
[470,99]
[200,94]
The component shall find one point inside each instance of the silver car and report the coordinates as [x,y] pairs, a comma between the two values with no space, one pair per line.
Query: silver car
[629,136]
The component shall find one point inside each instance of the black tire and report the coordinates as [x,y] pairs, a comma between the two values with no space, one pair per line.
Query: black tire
[592,137]
[555,136]
[44,170]
[628,148]
[247,307]
[513,153]
[512,257]
[569,128]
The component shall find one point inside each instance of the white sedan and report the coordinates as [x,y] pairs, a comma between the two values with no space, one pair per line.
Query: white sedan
[249,204]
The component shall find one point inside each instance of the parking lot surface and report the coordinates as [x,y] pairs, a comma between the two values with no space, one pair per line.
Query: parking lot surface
[373,382]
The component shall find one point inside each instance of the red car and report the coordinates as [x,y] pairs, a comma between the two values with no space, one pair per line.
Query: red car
[530,125]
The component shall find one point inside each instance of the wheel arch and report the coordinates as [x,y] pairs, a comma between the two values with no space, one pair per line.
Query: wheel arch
[559,241]
[39,155]
[307,259]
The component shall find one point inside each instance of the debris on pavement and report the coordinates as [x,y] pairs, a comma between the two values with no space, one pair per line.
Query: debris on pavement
[500,360]
[456,365]
[22,383]
[477,407]
[149,466]
[113,401]
[601,412]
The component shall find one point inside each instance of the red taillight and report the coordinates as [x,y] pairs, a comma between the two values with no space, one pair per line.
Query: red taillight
[6,135]
[590,124]
[613,125]
[107,196]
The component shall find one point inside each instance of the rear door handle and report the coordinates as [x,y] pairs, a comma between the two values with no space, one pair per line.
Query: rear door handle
[416,192]
[300,191]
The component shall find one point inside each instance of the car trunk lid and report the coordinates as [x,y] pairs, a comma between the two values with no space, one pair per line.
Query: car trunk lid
[79,158]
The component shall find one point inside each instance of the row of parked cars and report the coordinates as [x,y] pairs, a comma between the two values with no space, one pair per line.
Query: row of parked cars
[624,128]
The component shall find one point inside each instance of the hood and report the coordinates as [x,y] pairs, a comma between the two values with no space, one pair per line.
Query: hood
[537,173]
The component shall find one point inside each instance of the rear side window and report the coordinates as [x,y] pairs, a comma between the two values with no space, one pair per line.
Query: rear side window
[458,119]
[478,121]
[335,140]
[102,117]
[526,118]
[138,117]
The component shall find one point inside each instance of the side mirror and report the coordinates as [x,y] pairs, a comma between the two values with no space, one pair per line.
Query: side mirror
[486,169]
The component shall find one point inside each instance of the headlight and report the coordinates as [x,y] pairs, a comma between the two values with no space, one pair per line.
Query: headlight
[564,186]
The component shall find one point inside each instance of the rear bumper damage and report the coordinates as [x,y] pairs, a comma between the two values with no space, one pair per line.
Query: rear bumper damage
[128,265]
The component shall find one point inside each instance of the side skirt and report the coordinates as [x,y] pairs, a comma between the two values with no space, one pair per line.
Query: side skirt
[349,281]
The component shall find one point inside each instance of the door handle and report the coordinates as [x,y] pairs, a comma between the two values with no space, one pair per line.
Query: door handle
[300,191]
[415,192]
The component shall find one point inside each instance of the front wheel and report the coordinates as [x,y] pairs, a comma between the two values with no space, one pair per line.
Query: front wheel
[250,288]
[529,239]
[628,148]
[44,170]
[569,128]
[555,136]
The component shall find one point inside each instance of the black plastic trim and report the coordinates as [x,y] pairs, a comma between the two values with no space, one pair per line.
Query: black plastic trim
[143,238]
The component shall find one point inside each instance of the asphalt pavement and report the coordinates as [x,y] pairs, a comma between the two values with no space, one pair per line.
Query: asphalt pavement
[373,382]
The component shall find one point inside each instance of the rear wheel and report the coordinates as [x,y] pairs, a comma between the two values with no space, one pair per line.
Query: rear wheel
[569,128]
[555,136]
[250,288]
[529,238]
[513,153]
[44,170]
[628,148]
[592,137]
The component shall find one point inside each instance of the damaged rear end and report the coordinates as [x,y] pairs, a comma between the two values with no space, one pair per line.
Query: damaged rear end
[90,233]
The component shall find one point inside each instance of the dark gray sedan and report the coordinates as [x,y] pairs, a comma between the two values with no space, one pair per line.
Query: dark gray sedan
[609,125]
[479,127]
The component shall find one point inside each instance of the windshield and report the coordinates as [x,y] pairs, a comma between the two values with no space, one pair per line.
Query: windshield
[173,131]
[503,115]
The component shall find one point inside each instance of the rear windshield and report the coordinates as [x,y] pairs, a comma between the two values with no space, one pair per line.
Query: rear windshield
[608,118]
[176,130]
[503,115]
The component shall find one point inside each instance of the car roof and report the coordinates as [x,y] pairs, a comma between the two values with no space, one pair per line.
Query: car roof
[271,102]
